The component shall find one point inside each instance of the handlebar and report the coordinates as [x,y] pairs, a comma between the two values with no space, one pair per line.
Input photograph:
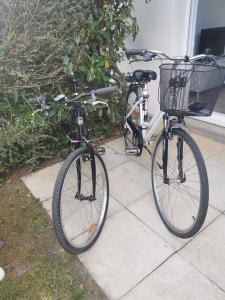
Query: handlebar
[63,99]
[105,91]
[139,52]
[77,98]
[41,102]
[150,54]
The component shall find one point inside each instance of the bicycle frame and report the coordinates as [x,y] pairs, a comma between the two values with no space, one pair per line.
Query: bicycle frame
[149,127]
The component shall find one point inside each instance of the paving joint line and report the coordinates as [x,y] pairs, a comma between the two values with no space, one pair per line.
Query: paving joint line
[129,159]
[139,198]
[201,272]
[217,209]
[202,229]
[188,241]
[115,166]
[140,281]
[139,219]
[213,155]
[153,230]
[171,255]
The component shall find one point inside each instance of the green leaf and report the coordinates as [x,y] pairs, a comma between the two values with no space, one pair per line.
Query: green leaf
[66,60]
[91,74]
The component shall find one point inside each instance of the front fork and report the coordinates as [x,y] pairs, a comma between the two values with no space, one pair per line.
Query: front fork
[180,155]
[90,155]
[167,135]
[93,170]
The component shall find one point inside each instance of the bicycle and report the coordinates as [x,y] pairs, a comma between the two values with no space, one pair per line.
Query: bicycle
[188,87]
[81,191]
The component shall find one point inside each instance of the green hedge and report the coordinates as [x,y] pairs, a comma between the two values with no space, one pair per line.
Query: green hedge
[28,147]
[42,41]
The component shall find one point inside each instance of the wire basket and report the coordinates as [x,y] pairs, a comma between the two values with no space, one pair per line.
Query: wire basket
[190,89]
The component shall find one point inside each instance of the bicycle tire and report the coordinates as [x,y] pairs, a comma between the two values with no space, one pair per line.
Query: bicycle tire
[189,190]
[65,223]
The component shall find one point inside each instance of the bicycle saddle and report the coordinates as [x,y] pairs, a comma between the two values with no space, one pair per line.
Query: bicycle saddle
[144,75]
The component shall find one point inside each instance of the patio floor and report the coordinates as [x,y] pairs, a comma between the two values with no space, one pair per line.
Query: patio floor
[135,256]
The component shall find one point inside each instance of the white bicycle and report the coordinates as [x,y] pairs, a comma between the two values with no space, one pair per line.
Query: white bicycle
[188,87]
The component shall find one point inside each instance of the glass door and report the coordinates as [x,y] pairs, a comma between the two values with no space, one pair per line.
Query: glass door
[220,105]
[206,15]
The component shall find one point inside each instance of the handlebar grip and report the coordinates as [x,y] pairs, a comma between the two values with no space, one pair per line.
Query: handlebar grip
[135,52]
[107,90]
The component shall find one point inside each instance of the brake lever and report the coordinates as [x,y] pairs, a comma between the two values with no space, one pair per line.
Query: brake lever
[44,108]
[59,98]
[99,102]
[36,111]
[144,59]
[132,61]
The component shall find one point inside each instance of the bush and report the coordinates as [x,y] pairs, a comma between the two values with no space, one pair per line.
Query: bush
[28,146]
[42,41]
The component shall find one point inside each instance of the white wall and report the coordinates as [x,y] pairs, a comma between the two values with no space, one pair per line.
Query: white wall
[180,26]
[211,14]
[163,26]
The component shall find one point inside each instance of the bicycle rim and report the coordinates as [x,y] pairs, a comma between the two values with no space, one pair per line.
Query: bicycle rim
[181,205]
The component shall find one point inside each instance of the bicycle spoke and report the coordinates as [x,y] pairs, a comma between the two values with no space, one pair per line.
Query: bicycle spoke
[178,199]
[81,215]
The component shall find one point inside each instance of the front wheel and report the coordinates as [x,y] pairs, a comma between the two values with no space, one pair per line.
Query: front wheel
[182,203]
[80,200]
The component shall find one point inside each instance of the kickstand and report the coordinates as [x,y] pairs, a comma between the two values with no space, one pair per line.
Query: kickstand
[146,148]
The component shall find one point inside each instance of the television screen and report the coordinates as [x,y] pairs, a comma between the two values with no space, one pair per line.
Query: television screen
[214,39]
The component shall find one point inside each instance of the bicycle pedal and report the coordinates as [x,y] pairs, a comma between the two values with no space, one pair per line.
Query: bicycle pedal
[100,150]
[131,151]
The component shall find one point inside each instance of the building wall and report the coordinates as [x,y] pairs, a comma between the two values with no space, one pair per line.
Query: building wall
[163,26]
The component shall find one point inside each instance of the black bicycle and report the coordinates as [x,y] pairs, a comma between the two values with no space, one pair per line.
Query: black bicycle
[81,192]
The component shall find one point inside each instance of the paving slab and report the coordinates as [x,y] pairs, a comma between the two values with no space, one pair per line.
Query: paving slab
[125,253]
[218,160]
[145,209]
[216,185]
[113,158]
[206,251]
[41,183]
[129,182]
[207,146]
[176,279]
[117,144]
[145,158]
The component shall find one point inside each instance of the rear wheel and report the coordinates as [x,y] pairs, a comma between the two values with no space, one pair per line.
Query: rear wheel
[182,204]
[132,134]
[80,200]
